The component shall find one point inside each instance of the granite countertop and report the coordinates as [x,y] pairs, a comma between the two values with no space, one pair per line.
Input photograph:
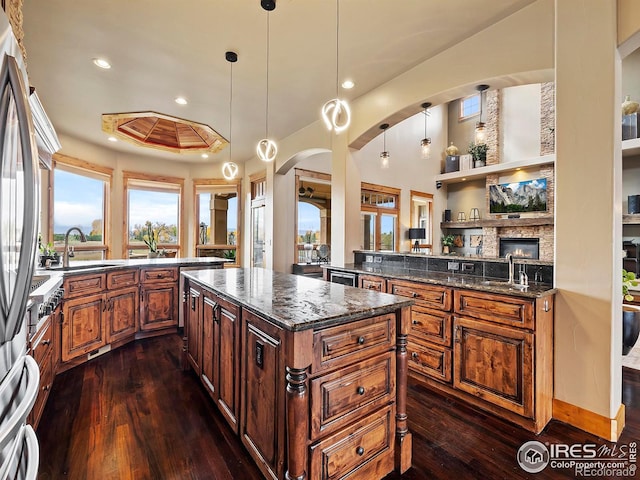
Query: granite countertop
[100,265]
[295,302]
[456,280]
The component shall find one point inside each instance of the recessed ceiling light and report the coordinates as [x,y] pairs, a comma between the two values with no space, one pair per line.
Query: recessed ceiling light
[348,84]
[102,63]
[181,101]
[204,155]
[112,139]
[464,179]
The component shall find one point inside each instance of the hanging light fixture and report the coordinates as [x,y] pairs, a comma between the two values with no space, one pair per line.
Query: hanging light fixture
[336,113]
[425,143]
[267,148]
[230,169]
[384,155]
[481,132]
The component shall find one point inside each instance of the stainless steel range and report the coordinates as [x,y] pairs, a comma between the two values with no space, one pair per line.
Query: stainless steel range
[45,294]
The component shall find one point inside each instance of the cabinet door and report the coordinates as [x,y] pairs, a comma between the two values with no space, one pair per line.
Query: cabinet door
[209,343]
[193,329]
[494,363]
[372,282]
[227,361]
[122,308]
[263,394]
[159,307]
[83,326]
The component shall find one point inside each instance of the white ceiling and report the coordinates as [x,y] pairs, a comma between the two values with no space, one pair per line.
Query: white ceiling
[162,49]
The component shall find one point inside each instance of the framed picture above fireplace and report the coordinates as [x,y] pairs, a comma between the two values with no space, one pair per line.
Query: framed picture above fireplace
[517,197]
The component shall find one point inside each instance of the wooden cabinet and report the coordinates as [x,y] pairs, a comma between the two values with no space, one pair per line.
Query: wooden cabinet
[42,350]
[121,314]
[212,339]
[493,350]
[372,282]
[159,298]
[83,326]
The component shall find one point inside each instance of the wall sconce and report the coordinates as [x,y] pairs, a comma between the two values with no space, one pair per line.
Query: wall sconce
[425,143]
[384,155]
[481,133]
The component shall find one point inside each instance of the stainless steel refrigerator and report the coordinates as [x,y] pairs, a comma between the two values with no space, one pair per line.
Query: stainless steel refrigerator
[19,205]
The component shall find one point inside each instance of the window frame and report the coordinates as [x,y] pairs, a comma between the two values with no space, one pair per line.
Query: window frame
[90,170]
[379,211]
[461,116]
[428,197]
[218,182]
[129,180]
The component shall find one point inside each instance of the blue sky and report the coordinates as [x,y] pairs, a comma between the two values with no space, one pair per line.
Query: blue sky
[78,201]
[308,217]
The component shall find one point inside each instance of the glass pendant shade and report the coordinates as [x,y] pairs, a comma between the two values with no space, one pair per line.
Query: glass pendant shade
[336,115]
[384,159]
[481,132]
[229,170]
[425,146]
[267,150]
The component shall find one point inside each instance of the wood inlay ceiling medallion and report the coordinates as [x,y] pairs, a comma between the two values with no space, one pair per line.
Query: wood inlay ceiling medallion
[163,132]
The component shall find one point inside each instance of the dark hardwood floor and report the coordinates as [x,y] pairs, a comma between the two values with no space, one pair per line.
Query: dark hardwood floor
[133,414]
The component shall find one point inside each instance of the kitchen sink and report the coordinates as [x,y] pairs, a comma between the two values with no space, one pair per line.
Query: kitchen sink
[504,284]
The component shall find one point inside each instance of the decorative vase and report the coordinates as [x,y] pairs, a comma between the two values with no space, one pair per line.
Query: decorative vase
[630,327]
[478,163]
[152,255]
[445,249]
[451,149]
[629,106]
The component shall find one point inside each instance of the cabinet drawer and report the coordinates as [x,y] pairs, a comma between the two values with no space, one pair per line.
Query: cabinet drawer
[372,282]
[432,296]
[433,360]
[153,275]
[431,325]
[43,342]
[84,285]
[341,345]
[122,279]
[46,381]
[339,455]
[513,311]
[347,394]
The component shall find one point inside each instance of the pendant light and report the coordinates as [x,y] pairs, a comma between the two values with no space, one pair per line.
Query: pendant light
[267,148]
[336,113]
[384,155]
[481,133]
[230,169]
[425,143]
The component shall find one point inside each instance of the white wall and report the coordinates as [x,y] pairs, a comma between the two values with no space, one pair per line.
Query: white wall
[520,123]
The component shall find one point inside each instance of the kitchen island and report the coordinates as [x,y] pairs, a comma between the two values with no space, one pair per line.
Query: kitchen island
[311,375]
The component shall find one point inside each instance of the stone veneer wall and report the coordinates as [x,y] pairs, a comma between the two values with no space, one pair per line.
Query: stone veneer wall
[547,118]
[493,102]
[491,235]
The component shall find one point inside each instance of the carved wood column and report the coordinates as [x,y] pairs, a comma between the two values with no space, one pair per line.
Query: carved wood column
[403,436]
[297,423]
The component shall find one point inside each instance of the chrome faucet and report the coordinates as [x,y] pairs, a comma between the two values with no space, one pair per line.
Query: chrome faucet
[509,259]
[66,254]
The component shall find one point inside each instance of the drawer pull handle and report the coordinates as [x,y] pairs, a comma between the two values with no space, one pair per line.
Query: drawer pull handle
[414,294]
[45,388]
[360,451]
[415,322]
[414,355]
[46,342]
[360,340]
[546,305]
[360,390]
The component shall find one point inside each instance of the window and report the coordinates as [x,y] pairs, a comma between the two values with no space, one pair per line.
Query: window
[422,215]
[79,197]
[469,107]
[379,217]
[152,204]
[313,218]
[218,212]
[258,199]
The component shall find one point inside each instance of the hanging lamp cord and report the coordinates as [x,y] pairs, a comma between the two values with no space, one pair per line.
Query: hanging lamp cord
[230,105]
[337,46]
[266,124]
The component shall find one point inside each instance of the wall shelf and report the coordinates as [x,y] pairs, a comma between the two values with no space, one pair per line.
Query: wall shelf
[631,147]
[503,222]
[482,172]
[631,219]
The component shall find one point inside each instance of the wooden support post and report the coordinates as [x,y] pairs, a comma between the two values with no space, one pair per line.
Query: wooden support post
[297,423]
[403,436]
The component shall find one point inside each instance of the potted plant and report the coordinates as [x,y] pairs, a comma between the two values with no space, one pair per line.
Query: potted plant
[447,243]
[478,152]
[151,239]
[47,253]
[630,313]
